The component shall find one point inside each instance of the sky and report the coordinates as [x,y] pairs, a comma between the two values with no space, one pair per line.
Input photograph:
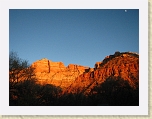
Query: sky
[72,36]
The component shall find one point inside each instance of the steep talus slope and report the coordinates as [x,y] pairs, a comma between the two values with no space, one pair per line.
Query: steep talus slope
[120,65]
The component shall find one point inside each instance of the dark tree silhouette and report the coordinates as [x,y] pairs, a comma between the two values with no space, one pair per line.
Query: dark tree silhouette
[48,95]
[19,73]
[115,91]
[19,69]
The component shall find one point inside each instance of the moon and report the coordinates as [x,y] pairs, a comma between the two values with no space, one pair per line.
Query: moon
[125,10]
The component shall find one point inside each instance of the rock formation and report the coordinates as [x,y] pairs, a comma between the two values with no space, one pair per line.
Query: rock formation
[49,72]
[112,82]
[122,65]
[75,78]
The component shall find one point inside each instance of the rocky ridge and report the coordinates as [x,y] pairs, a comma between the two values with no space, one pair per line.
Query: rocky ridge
[49,72]
[75,78]
[120,65]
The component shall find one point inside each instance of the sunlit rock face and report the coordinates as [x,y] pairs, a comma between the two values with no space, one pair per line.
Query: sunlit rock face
[76,79]
[124,65]
[49,72]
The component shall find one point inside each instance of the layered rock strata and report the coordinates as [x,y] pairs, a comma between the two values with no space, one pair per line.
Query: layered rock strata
[75,78]
[123,65]
[49,72]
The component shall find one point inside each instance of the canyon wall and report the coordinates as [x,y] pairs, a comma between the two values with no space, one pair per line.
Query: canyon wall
[75,78]
[56,73]
[124,66]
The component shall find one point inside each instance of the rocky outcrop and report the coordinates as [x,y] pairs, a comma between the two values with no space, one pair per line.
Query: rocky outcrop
[75,78]
[45,65]
[49,72]
[120,65]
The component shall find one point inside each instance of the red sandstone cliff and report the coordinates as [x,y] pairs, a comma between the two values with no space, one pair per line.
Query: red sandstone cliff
[119,65]
[113,81]
[76,78]
[49,72]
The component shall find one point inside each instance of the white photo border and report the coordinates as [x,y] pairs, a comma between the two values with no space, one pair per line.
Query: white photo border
[142,5]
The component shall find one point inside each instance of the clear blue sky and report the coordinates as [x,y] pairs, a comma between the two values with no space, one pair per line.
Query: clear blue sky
[73,36]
